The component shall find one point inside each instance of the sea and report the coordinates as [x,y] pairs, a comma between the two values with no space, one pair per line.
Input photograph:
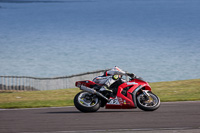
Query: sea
[158,40]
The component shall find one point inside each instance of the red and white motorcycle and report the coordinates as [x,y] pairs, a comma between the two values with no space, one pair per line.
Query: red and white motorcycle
[127,95]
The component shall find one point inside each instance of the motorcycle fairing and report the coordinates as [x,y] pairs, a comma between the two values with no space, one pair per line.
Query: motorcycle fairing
[86,83]
[127,101]
[124,102]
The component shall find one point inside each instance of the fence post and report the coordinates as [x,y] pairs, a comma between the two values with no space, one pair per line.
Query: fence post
[2,82]
[6,83]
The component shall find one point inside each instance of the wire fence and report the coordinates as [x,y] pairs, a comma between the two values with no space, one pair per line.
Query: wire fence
[25,83]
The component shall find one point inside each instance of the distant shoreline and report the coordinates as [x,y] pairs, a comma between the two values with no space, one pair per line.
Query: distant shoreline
[28,1]
[41,1]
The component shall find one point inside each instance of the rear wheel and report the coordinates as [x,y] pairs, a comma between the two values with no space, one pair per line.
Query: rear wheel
[146,103]
[86,102]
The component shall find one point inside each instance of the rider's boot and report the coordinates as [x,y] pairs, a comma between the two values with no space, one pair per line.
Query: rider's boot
[105,89]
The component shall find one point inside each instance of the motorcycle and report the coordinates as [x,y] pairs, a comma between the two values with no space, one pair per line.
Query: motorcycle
[127,95]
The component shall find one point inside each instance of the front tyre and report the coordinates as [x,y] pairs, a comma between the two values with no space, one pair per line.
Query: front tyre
[146,103]
[86,102]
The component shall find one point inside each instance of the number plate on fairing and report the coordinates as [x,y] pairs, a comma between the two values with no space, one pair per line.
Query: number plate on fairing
[115,101]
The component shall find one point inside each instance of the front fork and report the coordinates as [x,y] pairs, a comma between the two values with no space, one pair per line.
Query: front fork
[145,92]
[149,98]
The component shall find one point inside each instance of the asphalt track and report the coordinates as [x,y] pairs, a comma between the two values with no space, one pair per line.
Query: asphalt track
[179,117]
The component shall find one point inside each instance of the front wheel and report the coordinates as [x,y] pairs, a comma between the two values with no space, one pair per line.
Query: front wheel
[148,103]
[86,102]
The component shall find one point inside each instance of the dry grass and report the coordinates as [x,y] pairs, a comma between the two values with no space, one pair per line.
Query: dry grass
[184,90]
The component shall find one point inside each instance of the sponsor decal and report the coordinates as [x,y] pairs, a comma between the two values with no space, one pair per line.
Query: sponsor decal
[124,101]
[131,83]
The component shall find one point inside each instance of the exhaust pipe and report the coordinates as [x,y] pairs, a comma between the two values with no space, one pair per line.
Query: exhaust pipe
[92,91]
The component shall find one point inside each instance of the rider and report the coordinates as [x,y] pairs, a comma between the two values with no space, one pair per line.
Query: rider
[111,79]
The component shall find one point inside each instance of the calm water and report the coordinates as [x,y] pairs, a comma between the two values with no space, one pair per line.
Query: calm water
[156,39]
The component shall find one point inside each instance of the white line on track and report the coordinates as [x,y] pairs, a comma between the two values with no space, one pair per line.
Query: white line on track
[38,108]
[73,106]
[140,130]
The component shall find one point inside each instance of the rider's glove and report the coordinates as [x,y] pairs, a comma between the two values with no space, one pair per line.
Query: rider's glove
[130,75]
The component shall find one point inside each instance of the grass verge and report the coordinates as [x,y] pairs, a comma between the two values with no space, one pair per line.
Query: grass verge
[183,90]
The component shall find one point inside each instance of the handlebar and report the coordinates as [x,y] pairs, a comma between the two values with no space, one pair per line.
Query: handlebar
[131,75]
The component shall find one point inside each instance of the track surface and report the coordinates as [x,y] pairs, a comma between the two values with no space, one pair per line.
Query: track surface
[179,116]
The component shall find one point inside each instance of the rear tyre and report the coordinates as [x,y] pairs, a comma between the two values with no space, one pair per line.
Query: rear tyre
[86,102]
[148,103]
